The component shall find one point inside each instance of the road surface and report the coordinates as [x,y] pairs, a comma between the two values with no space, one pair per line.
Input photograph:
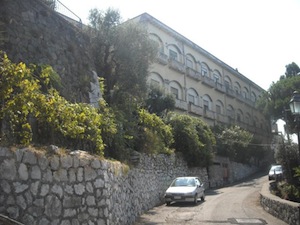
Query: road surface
[237,204]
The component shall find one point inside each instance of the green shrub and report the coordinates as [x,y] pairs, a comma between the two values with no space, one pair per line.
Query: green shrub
[155,136]
[27,98]
[193,138]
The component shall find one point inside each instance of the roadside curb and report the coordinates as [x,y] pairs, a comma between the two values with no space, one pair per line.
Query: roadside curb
[284,210]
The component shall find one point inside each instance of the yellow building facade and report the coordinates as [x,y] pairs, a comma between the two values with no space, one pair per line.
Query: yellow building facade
[202,84]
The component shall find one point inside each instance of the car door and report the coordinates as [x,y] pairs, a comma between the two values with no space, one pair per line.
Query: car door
[200,188]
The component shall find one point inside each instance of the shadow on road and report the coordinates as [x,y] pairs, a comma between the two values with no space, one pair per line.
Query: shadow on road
[185,204]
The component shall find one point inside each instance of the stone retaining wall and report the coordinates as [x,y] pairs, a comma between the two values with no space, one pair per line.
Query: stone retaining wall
[49,187]
[285,210]
[41,188]
[31,32]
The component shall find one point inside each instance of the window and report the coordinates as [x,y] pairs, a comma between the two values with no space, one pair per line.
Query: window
[230,112]
[237,88]
[219,107]
[239,116]
[253,97]
[158,41]
[154,83]
[227,82]
[207,103]
[189,63]
[204,70]
[174,92]
[173,55]
[217,77]
[248,119]
[245,93]
[191,98]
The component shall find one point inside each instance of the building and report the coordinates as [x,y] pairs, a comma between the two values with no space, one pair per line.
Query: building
[202,84]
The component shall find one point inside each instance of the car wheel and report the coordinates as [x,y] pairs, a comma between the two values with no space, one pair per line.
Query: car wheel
[203,197]
[196,199]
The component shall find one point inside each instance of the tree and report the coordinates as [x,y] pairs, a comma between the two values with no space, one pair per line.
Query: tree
[233,143]
[193,138]
[123,53]
[292,70]
[275,102]
[159,102]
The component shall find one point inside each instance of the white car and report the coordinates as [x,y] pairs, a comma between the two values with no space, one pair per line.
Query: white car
[185,189]
[275,172]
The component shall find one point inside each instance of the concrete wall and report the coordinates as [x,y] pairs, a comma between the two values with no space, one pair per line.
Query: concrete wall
[41,187]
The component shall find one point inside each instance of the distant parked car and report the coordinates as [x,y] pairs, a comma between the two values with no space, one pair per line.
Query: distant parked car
[185,189]
[275,172]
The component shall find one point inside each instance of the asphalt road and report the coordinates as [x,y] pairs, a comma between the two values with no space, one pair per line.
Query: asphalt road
[237,204]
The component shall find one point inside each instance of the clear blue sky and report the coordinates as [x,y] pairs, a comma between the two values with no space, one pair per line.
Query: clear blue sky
[259,37]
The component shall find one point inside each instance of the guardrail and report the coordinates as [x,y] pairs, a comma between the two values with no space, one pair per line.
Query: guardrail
[64,10]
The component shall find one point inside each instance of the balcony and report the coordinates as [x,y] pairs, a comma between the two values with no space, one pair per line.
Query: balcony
[220,87]
[240,97]
[221,118]
[208,81]
[230,92]
[193,74]
[162,58]
[208,114]
[180,104]
[175,65]
[249,102]
[195,109]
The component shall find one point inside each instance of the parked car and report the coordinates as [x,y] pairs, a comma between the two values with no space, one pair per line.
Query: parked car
[185,189]
[275,172]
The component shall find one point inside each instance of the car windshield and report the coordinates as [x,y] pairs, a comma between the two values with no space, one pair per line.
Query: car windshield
[276,168]
[181,182]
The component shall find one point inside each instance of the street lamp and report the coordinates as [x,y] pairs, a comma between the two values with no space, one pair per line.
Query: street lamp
[295,110]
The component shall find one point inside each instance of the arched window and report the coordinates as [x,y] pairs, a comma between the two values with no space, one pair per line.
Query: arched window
[207,103]
[176,90]
[248,118]
[174,53]
[253,97]
[230,111]
[217,77]
[190,61]
[157,40]
[227,82]
[245,93]
[155,79]
[219,107]
[204,70]
[239,116]
[237,88]
[192,96]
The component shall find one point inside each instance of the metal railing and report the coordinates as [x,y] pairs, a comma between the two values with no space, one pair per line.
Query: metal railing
[65,11]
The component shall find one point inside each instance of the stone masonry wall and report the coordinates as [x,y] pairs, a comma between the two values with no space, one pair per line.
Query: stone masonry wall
[38,187]
[47,187]
[31,32]
[285,210]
